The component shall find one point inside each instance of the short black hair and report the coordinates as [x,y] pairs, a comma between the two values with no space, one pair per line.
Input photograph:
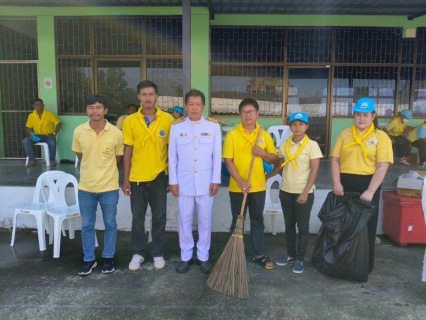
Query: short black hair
[132,105]
[195,93]
[246,102]
[93,98]
[146,84]
[38,99]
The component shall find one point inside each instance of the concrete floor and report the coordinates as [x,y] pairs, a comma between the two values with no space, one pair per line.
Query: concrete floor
[33,285]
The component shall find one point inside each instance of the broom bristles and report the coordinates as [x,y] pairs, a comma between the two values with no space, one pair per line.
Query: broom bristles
[229,275]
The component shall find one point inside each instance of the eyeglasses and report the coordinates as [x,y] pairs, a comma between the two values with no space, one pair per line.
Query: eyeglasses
[248,113]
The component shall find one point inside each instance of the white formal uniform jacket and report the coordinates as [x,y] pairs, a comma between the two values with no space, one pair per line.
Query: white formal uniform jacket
[195,156]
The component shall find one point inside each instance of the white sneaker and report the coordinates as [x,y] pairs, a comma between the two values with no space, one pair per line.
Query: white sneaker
[404,161]
[159,263]
[135,264]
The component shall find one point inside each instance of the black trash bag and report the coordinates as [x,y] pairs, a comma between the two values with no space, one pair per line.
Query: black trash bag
[342,247]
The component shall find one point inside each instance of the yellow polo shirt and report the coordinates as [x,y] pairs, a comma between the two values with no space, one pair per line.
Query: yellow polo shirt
[120,122]
[149,144]
[98,168]
[238,146]
[352,160]
[294,181]
[412,136]
[45,125]
[395,127]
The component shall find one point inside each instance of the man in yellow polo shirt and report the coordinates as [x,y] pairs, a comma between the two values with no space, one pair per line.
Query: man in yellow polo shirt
[146,135]
[238,150]
[45,126]
[99,147]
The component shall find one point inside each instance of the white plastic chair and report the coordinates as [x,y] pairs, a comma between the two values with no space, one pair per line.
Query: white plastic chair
[272,208]
[45,152]
[37,209]
[76,161]
[60,210]
[279,133]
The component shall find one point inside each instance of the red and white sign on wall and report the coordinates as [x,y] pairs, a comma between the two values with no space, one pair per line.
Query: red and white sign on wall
[48,83]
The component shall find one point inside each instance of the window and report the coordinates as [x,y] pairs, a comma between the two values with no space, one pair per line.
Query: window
[125,50]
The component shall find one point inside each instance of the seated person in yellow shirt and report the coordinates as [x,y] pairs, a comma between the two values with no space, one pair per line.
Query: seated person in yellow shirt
[43,126]
[131,109]
[417,138]
[238,149]
[298,159]
[396,130]
[176,112]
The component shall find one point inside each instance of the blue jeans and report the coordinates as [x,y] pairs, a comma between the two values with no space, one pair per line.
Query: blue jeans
[88,202]
[28,147]
[255,203]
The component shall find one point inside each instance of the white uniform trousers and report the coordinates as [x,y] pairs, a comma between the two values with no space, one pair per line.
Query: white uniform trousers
[204,205]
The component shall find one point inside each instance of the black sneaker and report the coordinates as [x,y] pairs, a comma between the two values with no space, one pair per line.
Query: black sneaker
[87,268]
[108,266]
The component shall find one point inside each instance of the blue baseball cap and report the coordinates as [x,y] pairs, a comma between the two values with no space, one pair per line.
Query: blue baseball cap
[406,113]
[364,105]
[178,109]
[301,116]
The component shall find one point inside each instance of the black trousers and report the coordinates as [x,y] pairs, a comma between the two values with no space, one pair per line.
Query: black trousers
[153,193]
[300,214]
[360,183]
[421,145]
[401,147]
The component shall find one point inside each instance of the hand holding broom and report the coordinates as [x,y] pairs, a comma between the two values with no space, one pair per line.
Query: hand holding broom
[229,275]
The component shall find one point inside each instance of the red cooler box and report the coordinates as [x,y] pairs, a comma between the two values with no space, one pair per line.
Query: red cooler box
[403,219]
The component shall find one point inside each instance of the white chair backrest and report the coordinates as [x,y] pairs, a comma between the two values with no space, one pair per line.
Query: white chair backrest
[39,186]
[269,183]
[279,133]
[57,185]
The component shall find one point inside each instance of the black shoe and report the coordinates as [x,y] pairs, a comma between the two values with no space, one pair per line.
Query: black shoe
[87,268]
[184,266]
[205,266]
[108,266]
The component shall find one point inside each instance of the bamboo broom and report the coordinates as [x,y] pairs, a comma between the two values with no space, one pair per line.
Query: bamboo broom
[229,275]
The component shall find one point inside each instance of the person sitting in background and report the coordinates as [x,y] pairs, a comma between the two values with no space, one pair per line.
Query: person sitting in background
[396,130]
[417,137]
[44,125]
[131,109]
[177,112]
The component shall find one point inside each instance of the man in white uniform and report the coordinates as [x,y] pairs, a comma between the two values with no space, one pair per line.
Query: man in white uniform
[195,160]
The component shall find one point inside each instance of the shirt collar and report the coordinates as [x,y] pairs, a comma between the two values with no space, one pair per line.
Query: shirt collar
[87,125]
[242,129]
[300,142]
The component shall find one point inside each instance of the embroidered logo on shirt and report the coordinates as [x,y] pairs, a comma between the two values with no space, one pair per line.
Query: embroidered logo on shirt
[107,150]
[372,142]
[162,133]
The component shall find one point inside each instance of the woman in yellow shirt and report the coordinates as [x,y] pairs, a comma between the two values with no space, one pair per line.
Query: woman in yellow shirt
[359,161]
[395,130]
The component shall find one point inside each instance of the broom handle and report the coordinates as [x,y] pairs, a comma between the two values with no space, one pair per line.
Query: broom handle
[259,134]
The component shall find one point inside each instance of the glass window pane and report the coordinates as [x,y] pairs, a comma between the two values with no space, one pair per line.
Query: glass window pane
[247,44]
[72,36]
[18,86]
[408,50]
[309,45]
[231,84]
[421,45]
[419,105]
[75,84]
[352,83]
[164,36]
[404,88]
[18,39]
[167,74]
[367,45]
[117,82]
[13,132]
[118,35]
